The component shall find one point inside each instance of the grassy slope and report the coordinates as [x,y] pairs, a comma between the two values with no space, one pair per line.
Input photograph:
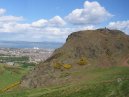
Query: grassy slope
[10,75]
[99,82]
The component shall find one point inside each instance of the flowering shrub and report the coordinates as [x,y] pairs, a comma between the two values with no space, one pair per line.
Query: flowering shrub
[67,66]
[10,86]
[57,65]
[83,61]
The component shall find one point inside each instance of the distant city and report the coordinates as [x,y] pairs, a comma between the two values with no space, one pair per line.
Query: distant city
[30,55]
[13,52]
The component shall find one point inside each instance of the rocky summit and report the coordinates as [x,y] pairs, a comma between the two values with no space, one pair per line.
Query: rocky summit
[101,47]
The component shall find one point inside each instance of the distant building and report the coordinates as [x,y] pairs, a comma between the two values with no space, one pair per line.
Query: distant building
[36,48]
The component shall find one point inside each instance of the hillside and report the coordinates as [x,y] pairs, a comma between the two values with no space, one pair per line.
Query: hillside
[100,47]
[83,51]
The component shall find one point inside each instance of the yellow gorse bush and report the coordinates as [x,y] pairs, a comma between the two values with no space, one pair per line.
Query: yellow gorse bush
[67,66]
[83,61]
[57,65]
[10,86]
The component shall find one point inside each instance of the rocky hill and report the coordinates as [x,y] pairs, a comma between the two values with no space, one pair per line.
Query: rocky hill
[101,47]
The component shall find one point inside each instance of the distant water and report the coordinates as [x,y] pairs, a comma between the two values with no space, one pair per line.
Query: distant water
[46,45]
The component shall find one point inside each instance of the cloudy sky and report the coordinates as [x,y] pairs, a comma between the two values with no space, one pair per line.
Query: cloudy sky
[54,20]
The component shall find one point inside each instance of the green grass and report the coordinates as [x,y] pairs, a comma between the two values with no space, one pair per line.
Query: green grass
[13,58]
[10,75]
[98,82]
[26,65]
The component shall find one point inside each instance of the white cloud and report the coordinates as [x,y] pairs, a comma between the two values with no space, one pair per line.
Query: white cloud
[121,25]
[54,29]
[40,23]
[2,11]
[55,21]
[92,13]
[27,32]
[10,18]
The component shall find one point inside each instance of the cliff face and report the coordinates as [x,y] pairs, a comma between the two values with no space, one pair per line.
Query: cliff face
[101,47]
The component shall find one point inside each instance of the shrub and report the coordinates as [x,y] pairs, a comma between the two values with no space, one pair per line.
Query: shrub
[67,66]
[83,61]
[57,65]
[10,86]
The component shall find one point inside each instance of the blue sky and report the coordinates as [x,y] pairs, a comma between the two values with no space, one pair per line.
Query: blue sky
[54,20]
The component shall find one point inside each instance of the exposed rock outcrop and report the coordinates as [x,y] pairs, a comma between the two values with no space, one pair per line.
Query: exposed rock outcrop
[101,47]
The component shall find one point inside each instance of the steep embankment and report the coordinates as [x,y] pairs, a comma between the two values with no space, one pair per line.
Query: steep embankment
[101,47]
